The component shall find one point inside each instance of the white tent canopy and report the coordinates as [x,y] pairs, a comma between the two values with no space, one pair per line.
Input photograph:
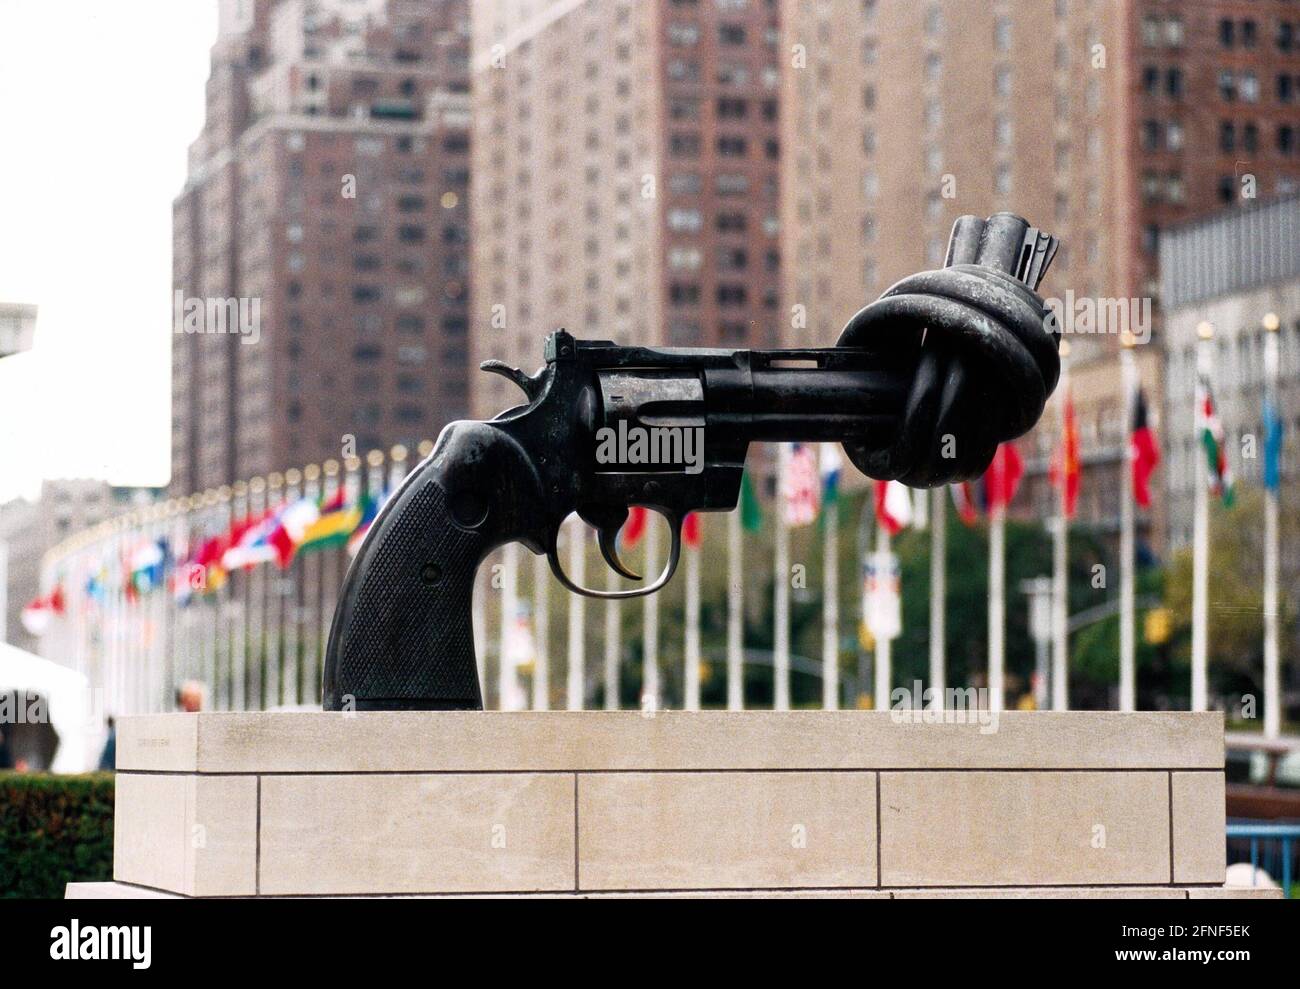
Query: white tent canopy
[65,695]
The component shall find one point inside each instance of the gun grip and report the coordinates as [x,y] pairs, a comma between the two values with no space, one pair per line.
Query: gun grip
[402,637]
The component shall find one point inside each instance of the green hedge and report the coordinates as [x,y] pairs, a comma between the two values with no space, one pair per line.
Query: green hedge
[54,830]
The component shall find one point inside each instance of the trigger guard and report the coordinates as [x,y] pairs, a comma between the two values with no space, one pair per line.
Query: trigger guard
[665,575]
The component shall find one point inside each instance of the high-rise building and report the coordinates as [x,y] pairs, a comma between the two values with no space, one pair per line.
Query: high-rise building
[1101,121]
[321,242]
[626,176]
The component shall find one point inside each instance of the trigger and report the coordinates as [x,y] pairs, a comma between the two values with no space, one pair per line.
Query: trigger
[607,540]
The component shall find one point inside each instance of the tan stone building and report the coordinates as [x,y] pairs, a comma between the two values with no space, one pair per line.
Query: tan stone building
[1101,122]
[626,176]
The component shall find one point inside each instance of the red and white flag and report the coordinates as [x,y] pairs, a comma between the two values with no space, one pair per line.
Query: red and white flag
[893,506]
[800,487]
[963,496]
[40,612]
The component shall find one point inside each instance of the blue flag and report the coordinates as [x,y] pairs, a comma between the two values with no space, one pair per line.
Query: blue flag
[1272,446]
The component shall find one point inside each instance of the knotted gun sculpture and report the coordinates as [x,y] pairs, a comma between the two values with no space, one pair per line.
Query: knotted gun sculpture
[923,385]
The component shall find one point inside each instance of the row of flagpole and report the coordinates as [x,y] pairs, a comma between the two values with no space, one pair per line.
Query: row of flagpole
[138,649]
[178,592]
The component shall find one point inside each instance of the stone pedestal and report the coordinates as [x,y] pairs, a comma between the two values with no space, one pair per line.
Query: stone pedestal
[599,803]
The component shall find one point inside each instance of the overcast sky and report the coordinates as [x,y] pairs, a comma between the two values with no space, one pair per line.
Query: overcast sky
[99,100]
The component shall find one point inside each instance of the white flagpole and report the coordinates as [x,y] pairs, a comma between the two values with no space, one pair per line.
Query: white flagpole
[938,592]
[288,588]
[691,701]
[735,613]
[261,500]
[884,644]
[541,634]
[831,606]
[1272,663]
[314,484]
[781,585]
[650,626]
[1201,530]
[1127,565]
[577,672]
[274,625]
[1060,551]
[239,646]
[613,642]
[509,694]
[997,603]
[328,572]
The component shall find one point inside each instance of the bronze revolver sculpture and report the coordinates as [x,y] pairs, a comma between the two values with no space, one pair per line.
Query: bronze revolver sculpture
[967,352]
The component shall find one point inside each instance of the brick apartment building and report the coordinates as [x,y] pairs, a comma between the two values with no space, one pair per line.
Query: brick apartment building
[626,175]
[1102,121]
[329,187]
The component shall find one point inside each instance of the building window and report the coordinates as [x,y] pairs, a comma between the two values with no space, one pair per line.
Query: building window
[732,147]
[1174,83]
[731,34]
[684,145]
[730,108]
[685,220]
[732,295]
[1150,135]
[684,293]
[685,183]
[731,222]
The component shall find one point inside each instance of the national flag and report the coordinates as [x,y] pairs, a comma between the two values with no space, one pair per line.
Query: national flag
[295,520]
[634,528]
[148,565]
[212,551]
[209,559]
[1143,450]
[1272,446]
[799,495]
[893,506]
[831,465]
[1211,435]
[97,585]
[691,534]
[751,512]
[38,613]
[963,496]
[1003,476]
[1065,468]
[337,521]
[370,506]
[254,543]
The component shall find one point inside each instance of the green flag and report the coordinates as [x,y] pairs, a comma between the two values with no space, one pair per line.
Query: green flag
[751,514]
